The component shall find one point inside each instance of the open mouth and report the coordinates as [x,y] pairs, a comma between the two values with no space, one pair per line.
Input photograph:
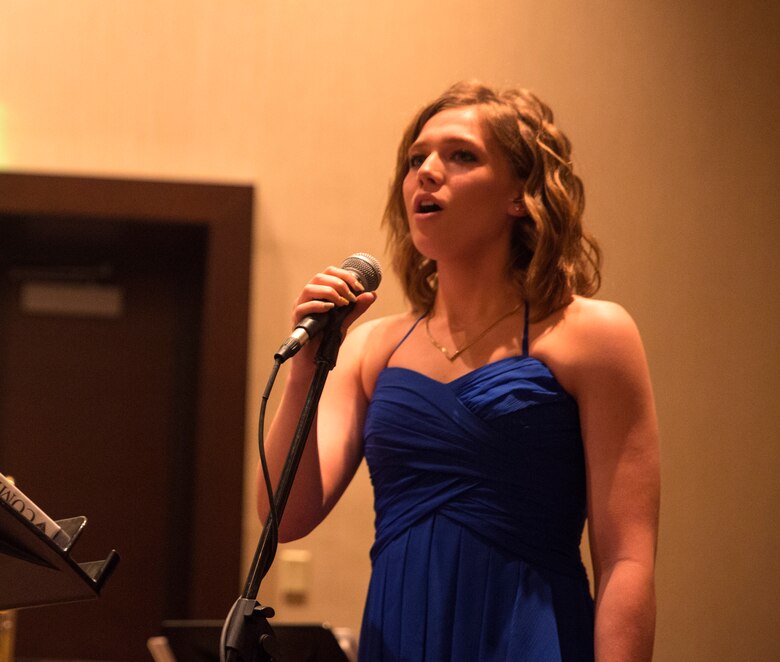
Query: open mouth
[427,208]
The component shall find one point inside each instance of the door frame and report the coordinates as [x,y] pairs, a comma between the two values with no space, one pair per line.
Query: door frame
[226,210]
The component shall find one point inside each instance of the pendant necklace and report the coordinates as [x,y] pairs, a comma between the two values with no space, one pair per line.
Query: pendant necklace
[459,350]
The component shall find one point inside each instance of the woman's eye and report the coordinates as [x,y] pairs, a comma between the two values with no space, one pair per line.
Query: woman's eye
[464,156]
[416,160]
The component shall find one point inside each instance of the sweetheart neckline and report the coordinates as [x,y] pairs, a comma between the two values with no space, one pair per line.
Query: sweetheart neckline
[520,358]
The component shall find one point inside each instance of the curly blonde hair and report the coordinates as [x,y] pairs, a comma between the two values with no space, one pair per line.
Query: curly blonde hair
[552,257]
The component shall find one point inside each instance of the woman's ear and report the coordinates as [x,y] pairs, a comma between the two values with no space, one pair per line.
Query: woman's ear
[517,207]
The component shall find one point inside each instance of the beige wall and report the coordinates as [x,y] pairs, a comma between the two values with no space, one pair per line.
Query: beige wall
[672,110]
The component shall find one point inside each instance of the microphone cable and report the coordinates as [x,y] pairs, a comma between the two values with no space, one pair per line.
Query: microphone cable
[272,522]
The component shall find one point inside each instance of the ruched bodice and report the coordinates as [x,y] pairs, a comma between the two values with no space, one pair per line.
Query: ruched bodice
[480,503]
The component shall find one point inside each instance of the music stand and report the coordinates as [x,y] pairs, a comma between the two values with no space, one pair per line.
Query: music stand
[36,571]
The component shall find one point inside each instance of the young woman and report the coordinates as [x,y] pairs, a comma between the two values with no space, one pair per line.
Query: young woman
[496,415]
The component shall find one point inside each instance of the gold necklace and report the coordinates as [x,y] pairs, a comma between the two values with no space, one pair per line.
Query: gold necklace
[459,351]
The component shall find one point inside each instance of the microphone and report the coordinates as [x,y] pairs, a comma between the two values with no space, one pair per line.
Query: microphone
[368,272]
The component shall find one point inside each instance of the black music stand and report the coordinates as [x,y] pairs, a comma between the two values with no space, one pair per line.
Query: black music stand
[36,571]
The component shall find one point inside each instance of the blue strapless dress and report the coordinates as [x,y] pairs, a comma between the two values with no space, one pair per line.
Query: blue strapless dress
[480,504]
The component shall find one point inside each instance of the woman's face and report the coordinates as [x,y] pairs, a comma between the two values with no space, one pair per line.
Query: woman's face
[460,192]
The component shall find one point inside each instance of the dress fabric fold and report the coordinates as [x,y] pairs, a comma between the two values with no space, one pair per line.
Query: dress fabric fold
[480,504]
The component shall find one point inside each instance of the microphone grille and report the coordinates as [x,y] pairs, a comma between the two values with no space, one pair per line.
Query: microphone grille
[367,269]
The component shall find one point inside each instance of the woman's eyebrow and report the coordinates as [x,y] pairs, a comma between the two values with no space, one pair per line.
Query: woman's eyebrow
[446,141]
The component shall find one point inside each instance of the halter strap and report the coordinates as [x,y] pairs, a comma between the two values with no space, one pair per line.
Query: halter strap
[525,329]
[406,335]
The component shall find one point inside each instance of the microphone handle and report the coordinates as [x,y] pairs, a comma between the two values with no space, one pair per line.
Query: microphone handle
[309,327]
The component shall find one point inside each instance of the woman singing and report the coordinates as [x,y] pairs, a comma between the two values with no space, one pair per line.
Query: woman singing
[500,413]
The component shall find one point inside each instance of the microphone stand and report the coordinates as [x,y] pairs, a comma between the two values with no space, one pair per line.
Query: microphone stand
[247,635]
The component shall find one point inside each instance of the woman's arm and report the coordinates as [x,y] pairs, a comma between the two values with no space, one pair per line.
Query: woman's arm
[620,435]
[333,448]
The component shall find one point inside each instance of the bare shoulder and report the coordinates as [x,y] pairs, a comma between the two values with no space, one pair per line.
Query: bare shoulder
[610,348]
[588,338]
[599,323]
[371,344]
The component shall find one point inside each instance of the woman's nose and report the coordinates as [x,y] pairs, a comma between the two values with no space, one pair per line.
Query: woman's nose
[430,171]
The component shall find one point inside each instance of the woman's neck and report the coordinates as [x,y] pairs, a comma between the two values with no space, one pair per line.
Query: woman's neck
[467,296]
